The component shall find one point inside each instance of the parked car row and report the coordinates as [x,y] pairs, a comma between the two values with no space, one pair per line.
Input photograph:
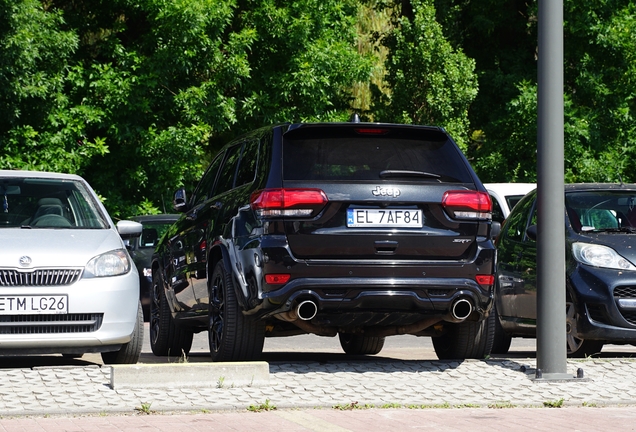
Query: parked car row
[355,230]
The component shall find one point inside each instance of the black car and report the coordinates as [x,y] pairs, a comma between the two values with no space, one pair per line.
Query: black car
[600,225]
[142,248]
[360,230]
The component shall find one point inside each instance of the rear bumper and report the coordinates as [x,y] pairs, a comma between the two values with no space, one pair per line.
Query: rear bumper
[429,296]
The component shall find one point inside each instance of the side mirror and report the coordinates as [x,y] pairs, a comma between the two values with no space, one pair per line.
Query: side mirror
[180,203]
[531,232]
[129,229]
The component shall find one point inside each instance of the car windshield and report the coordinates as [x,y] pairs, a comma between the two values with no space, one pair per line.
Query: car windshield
[48,203]
[151,233]
[602,210]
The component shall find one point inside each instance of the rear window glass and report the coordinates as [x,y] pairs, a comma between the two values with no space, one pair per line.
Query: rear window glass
[318,154]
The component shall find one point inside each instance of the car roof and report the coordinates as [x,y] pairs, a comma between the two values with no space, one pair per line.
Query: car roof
[39,174]
[156,217]
[510,188]
[571,187]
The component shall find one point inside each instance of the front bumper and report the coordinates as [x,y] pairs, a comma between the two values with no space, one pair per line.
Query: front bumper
[602,316]
[102,313]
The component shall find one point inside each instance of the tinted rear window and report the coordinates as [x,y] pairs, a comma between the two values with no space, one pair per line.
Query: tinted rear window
[343,154]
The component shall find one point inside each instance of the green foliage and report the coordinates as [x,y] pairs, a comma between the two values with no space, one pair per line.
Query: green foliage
[431,82]
[599,77]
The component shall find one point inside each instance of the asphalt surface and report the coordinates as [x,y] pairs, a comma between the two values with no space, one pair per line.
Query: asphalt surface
[326,391]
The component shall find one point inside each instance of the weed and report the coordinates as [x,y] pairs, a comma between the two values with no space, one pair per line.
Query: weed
[219,383]
[553,404]
[499,405]
[348,407]
[262,407]
[144,408]
[391,405]
[426,406]
[589,404]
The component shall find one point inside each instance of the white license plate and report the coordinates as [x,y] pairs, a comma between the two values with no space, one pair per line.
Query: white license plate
[33,304]
[386,218]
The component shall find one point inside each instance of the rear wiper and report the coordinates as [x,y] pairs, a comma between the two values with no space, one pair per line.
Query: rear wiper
[625,229]
[26,226]
[408,173]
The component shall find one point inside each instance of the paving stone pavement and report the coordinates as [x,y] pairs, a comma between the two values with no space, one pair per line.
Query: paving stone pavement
[471,383]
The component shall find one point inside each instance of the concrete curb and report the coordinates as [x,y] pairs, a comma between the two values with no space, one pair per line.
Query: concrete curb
[169,375]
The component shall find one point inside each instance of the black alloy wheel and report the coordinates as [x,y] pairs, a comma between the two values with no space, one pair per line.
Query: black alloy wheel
[166,339]
[232,335]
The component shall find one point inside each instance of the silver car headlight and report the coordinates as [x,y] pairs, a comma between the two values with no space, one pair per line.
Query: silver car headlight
[113,263]
[600,256]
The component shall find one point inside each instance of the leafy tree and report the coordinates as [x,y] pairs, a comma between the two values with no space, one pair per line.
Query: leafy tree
[40,126]
[599,50]
[430,81]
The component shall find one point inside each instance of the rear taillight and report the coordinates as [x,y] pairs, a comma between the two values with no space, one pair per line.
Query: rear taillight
[465,204]
[288,202]
[485,279]
[277,278]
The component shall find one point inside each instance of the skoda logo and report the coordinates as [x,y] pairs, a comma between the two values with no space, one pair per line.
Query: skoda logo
[25,261]
[386,191]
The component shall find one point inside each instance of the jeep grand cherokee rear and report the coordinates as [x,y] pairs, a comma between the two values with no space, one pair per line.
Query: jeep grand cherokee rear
[360,230]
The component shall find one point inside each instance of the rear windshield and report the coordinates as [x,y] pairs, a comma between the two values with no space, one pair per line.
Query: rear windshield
[343,154]
[48,203]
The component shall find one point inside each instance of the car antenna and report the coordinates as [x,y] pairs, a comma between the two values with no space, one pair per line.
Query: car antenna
[621,179]
[355,118]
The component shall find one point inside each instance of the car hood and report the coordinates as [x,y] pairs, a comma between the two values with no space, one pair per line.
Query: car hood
[55,247]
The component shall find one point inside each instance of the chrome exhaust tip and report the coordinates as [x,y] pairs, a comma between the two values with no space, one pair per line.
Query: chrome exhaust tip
[306,310]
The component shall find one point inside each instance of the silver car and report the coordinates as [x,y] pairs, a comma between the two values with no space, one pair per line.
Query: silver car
[67,282]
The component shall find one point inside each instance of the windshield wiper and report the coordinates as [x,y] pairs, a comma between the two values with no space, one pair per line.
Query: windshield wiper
[408,174]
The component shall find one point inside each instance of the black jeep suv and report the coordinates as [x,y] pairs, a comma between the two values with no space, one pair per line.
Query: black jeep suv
[361,230]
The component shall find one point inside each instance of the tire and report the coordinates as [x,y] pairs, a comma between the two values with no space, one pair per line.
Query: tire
[232,335]
[360,345]
[129,352]
[576,347]
[166,339]
[502,340]
[468,339]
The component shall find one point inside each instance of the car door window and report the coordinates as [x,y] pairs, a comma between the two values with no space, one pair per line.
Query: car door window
[204,188]
[517,220]
[228,170]
[247,166]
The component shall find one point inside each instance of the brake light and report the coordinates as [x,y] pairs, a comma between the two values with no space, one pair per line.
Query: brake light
[371,131]
[277,279]
[466,204]
[485,279]
[288,202]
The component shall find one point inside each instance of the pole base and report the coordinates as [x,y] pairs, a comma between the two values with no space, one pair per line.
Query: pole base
[541,376]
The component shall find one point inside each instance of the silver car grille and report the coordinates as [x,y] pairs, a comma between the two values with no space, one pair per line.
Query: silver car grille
[40,277]
[50,324]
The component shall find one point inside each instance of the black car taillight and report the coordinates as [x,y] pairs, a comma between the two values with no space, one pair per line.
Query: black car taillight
[466,204]
[288,202]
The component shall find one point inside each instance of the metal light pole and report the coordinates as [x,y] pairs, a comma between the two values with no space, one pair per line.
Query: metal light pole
[551,338]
